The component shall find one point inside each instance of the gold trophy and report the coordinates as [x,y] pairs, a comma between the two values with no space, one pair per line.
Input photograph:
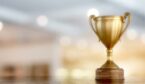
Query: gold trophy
[109,30]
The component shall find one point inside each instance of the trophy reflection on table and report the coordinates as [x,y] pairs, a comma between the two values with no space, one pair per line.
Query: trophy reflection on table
[109,29]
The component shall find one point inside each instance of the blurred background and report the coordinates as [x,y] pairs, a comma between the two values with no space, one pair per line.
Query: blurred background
[52,39]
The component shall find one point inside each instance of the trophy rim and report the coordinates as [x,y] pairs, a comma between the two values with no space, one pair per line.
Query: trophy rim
[108,17]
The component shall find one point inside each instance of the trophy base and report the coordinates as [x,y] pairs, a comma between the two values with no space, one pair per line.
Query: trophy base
[109,72]
[110,82]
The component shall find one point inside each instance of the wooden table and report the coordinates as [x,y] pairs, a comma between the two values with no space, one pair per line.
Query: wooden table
[70,82]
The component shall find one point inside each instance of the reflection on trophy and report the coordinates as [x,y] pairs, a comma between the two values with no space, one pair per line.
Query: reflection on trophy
[109,30]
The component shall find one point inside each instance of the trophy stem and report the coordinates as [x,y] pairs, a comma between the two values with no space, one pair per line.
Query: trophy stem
[109,54]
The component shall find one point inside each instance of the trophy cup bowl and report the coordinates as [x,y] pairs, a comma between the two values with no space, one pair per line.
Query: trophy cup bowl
[109,29]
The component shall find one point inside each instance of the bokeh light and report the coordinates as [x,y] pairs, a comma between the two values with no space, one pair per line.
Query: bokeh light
[77,74]
[61,74]
[93,11]
[42,20]
[1,25]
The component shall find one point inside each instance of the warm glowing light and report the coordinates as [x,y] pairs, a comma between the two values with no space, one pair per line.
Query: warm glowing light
[42,20]
[65,41]
[143,38]
[62,73]
[82,44]
[132,34]
[93,11]
[77,74]
[89,74]
[1,26]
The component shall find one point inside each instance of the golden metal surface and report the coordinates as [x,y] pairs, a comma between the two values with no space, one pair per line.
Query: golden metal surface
[109,29]
[108,64]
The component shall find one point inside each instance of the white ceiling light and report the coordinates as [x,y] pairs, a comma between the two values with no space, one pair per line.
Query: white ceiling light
[42,20]
[93,11]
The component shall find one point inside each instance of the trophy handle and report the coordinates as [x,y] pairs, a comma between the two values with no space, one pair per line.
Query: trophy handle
[91,20]
[126,16]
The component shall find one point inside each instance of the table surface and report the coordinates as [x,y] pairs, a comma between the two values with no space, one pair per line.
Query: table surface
[70,82]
